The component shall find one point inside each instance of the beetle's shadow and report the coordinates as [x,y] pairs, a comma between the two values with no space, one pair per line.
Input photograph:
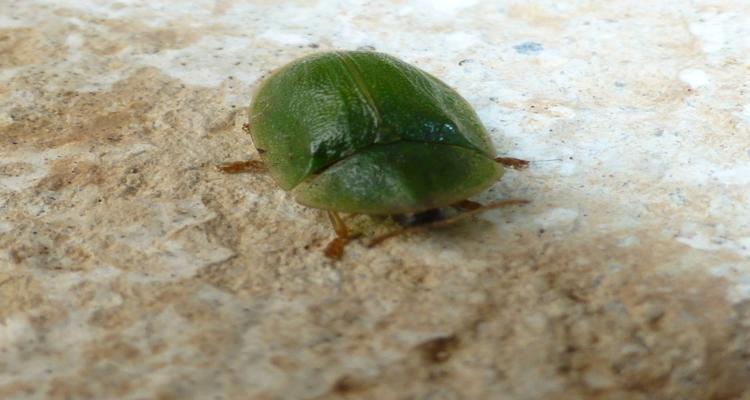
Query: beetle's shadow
[442,218]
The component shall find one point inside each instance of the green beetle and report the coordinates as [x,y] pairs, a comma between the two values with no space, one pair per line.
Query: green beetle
[364,132]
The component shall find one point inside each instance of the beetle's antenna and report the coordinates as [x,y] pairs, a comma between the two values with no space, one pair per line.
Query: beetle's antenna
[550,160]
[445,222]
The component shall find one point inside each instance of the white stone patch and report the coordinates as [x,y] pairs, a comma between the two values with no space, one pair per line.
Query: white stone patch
[5,118]
[37,163]
[557,217]
[5,259]
[711,34]
[563,112]
[23,98]
[446,6]
[567,168]
[695,78]
[184,259]
[7,22]
[103,81]
[153,13]
[462,40]
[744,114]
[739,278]
[7,74]
[700,242]
[720,35]
[720,204]
[14,329]
[59,289]
[181,250]
[404,10]
[74,41]
[5,227]
[700,171]
[38,170]
[195,65]
[628,241]
[283,37]
[118,153]
[707,242]
[738,175]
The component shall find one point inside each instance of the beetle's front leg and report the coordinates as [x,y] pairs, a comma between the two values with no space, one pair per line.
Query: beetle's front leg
[237,167]
[335,248]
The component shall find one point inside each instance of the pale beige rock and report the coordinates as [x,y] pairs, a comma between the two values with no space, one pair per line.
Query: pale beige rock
[131,268]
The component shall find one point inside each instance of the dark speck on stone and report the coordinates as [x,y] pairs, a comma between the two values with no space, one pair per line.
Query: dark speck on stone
[528,48]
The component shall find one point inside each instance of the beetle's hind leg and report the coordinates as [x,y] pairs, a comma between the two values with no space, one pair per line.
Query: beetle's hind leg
[467,205]
[335,248]
[471,208]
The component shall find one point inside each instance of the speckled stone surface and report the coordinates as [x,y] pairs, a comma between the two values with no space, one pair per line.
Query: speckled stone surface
[130,268]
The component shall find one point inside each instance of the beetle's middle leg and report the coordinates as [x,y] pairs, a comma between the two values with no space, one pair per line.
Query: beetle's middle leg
[510,162]
[335,248]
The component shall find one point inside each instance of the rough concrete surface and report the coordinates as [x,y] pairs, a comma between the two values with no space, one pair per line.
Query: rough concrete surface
[131,268]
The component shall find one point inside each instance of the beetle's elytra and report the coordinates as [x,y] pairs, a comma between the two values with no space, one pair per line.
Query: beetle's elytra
[364,132]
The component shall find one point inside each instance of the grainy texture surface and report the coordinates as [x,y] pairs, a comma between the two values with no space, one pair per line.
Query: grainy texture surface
[131,268]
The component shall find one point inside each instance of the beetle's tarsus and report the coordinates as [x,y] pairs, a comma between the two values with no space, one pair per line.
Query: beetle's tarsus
[335,249]
[246,127]
[510,162]
[447,221]
[238,167]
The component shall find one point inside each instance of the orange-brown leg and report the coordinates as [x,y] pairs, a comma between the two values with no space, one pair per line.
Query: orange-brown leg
[447,221]
[335,248]
[467,205]
[237,167]
[515,163]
